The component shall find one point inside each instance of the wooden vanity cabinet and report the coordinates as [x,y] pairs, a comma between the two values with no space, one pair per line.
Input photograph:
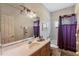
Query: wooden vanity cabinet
[44,51]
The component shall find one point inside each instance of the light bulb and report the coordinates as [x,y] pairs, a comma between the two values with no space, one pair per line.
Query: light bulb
[31,14]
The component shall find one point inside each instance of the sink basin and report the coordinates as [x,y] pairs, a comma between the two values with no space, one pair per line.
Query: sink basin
[35,44]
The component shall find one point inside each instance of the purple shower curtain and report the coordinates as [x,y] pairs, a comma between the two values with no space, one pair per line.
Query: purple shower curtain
[66,32]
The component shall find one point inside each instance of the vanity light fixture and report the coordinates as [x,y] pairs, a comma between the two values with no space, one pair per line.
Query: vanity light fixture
[28,12]
[31,14]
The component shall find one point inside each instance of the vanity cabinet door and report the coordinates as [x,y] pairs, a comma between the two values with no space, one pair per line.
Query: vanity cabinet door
[48,49]
[37,53]
[44,51]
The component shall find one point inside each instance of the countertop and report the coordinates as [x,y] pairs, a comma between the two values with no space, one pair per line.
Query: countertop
[23,48]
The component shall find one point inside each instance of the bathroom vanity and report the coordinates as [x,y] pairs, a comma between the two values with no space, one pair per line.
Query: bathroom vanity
[43,51]
[24,49]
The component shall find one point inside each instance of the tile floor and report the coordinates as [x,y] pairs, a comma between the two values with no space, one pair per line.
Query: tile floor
[61,52]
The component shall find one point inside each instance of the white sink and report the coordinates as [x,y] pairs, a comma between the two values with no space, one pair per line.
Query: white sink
[33,45]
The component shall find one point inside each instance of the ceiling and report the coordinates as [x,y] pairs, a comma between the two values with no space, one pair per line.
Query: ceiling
[57,6]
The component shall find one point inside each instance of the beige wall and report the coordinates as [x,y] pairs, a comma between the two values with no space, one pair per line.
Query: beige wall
[55,17]
[18,21]
[77,13]
[0,27]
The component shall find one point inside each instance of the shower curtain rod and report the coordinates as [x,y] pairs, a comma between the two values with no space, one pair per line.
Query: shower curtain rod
[68,15]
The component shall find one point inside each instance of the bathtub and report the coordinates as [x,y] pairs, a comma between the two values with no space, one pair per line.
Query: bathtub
[53,45]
